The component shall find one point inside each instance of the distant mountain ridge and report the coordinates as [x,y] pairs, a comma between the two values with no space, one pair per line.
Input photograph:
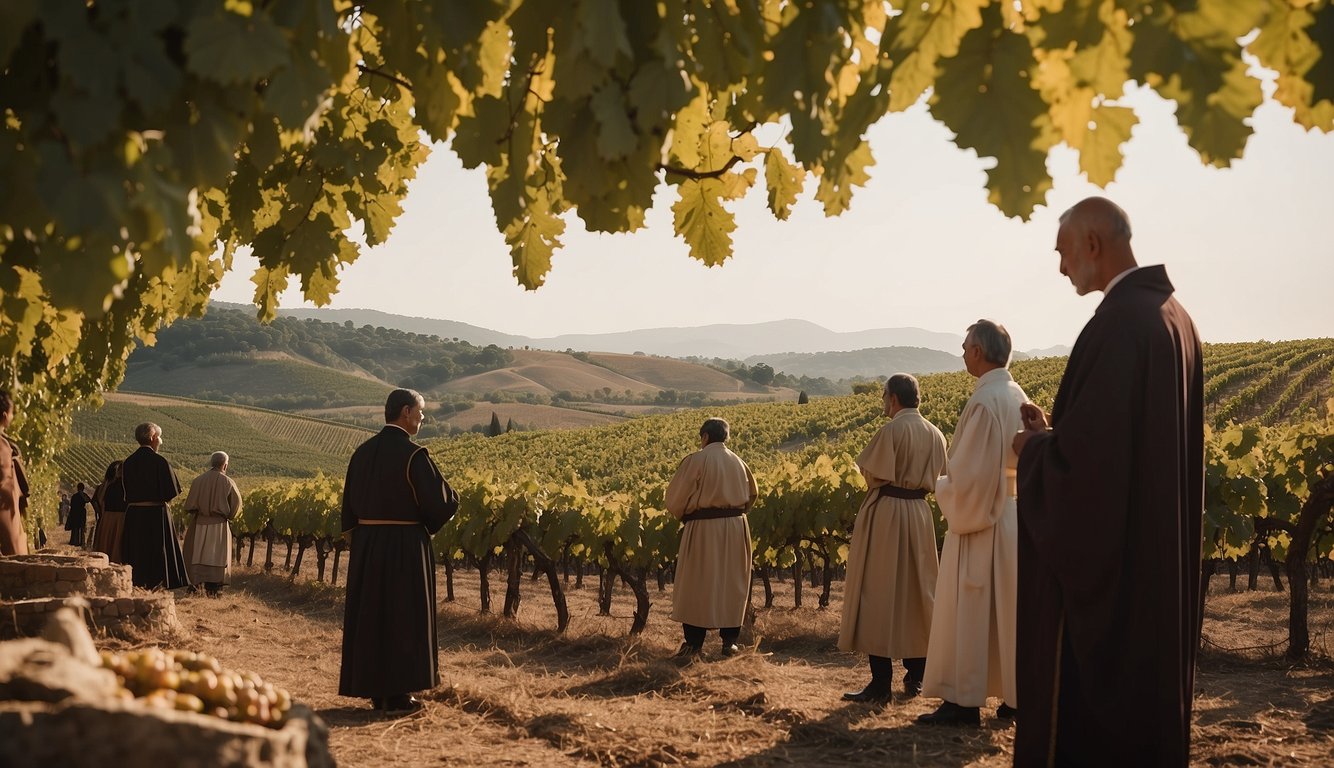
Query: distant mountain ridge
[736,341]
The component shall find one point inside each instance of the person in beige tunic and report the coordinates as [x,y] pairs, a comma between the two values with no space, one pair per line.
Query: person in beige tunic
[892,563]
[971,655]
[709,494]
[13,541]
[213,500]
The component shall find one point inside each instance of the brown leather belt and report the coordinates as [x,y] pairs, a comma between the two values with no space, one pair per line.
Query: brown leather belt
[712,513]
[893,491]
[389,522]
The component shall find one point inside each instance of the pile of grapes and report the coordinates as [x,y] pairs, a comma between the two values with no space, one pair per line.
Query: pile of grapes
[196,682]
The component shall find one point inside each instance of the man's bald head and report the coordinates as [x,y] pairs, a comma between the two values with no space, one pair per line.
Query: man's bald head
[1099,215]
[1094,243]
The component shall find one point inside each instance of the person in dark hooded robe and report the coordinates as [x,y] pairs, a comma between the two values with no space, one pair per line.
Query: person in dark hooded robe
[1111,499]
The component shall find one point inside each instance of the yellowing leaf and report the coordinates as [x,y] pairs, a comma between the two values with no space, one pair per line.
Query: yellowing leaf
[702,221]
[1100,153]
[784,181]
[836,182]
[532,239]
[919,37]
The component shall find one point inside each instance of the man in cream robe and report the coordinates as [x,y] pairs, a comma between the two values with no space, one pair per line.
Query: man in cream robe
[971,655]
[709,494]
[888,595]
[213,500]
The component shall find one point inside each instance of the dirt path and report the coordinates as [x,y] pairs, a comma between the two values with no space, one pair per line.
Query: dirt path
[517,694]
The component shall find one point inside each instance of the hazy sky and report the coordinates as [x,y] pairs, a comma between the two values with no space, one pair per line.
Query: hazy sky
[1248,248]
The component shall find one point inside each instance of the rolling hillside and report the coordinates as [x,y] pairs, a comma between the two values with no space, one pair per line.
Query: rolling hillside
[262,444]
[272,381]
[867,363]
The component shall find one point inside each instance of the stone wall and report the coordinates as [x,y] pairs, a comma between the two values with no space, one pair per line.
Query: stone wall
[110,615]
[44,574]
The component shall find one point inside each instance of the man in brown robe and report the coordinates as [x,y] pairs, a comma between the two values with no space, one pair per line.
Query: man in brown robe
[394,500]
[148,541]
[1111,497]
[13,541]
[709,494]
[214,500]
[892,565]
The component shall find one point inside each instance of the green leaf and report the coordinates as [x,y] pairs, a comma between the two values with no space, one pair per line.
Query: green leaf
[231,49]
[437,101]
[616,136]
[984,95]
[604,30]
[919,37]
[702,221]
[1218,125]
[15,16]
[296,93]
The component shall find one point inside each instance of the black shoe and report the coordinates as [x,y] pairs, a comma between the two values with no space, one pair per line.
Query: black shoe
[874,692]
[686,651]
[912,687]
[951,714]
[377,702]
[731,649]
[1006,712]
[404,702]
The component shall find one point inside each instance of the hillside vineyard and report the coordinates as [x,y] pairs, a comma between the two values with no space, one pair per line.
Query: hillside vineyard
[595,496]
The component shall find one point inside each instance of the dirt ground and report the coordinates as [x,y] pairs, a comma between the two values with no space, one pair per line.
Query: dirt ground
[515,693]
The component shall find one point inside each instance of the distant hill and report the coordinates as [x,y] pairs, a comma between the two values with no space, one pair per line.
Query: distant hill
[866,363]
[735,341]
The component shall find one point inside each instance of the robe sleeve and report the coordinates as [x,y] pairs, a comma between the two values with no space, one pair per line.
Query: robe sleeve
[754,487]
[350,489]
[193,502]
[684,486]
[233,499]
[877,459]
[1074,480]
[435,499]
[971,496]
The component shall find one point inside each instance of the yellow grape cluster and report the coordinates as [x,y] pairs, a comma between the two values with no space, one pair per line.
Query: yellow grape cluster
[196,682]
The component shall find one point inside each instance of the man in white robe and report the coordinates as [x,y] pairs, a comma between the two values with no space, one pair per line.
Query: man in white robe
[888,593]
[972,649]
[213,501]
[709,494]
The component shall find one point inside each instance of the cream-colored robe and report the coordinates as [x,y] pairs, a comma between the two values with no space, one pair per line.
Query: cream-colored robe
[888,596]
[713,564]
[973,631]
[213,500]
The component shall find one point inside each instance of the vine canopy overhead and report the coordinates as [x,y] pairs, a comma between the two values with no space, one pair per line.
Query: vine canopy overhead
[144,141]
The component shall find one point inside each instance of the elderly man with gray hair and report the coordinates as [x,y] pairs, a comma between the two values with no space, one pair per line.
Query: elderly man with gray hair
[213,500]
[972,649]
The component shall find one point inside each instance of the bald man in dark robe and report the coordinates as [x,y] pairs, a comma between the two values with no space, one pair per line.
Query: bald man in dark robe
[394,500]
[1111,498]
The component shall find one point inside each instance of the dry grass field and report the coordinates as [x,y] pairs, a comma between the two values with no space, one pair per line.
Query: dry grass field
[514,693]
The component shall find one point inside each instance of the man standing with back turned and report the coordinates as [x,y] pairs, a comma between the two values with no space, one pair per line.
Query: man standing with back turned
[971,655]
[394,500]
[892,565]
[149,544]
[214,500]
[1111,497]
[709,494]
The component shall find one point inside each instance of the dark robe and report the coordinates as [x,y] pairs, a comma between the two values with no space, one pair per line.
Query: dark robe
[77,520]
[1110,509]
[389,641]
[148,540]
